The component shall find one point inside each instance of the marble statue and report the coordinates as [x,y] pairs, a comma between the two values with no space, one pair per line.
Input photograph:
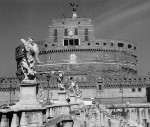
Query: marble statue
[78,91]
[60,81]
[74,88]
[71,88]
[74,7]
[31,53]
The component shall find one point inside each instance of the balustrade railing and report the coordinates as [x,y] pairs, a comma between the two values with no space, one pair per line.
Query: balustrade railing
[48,115]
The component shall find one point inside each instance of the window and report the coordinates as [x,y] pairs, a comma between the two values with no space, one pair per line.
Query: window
[55,35]
[104,44]
[76,42]
[76,31]
[86,34]
[55,32]
[134,48]
[66,32]
[129,46]
[55,39]
[71,42]
[139,89]
[133,89]
[86,38]
[120,44]
[86,31]
[111,44]
[100,87]
[65,42]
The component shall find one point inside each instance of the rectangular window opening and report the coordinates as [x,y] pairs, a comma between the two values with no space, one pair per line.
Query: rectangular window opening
[76,31]
[133,89]
[66,32]
[139,89]
[100,87]
[65,42]
[86,38]
[76,42]
[71,42]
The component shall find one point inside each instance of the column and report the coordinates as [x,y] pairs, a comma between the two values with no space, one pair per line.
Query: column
[23,121]
[47,113]
[140,116]
[15,120]
[147,117]
[102,119]
[40,118]
[51,112]
[44,115]
[3,121]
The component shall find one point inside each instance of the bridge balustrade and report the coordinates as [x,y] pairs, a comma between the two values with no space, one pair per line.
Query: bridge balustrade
[41,117]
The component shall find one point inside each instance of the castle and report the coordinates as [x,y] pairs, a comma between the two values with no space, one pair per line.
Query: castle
[104,69]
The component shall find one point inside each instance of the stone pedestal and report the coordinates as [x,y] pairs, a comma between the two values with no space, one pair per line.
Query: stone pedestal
[62,98]
[79,100]
[73,99]
[28,96]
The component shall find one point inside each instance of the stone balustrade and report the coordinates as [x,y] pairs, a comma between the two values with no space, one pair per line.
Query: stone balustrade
[102,117]
[49,115]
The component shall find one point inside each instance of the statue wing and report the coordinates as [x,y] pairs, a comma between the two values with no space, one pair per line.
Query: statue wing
[71,4]
[25,44]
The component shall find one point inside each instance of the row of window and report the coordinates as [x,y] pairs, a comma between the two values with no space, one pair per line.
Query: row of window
[71,42]
[66,31]
[119,45]
[133,89]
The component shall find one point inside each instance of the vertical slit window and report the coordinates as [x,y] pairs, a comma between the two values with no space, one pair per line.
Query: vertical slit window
[76,42]
[71,42]
[55,32]
[86,34]
[76,31]
[66,32]
[86,31]
[65,42]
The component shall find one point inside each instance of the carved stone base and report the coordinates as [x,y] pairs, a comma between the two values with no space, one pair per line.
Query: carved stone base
[73,99]
[62,98]
[79,100]
[28,96]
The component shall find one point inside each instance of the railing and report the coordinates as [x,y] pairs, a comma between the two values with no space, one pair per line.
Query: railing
[41,117]
[101,117]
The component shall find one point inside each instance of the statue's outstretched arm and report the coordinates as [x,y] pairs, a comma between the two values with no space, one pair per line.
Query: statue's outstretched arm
[37,54]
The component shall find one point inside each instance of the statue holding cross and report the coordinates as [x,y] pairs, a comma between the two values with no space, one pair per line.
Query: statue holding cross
[74,8]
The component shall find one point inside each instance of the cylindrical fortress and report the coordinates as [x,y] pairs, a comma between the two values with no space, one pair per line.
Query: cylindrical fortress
[72,48]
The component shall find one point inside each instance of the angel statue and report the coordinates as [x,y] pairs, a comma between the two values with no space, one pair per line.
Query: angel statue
[72,86]
[31,50]
[78,91]
[60,81]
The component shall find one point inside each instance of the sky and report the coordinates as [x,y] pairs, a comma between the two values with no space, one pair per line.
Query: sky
[127,20]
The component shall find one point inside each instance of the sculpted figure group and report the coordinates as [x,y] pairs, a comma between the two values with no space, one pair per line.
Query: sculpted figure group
[27,65]
[31,54]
